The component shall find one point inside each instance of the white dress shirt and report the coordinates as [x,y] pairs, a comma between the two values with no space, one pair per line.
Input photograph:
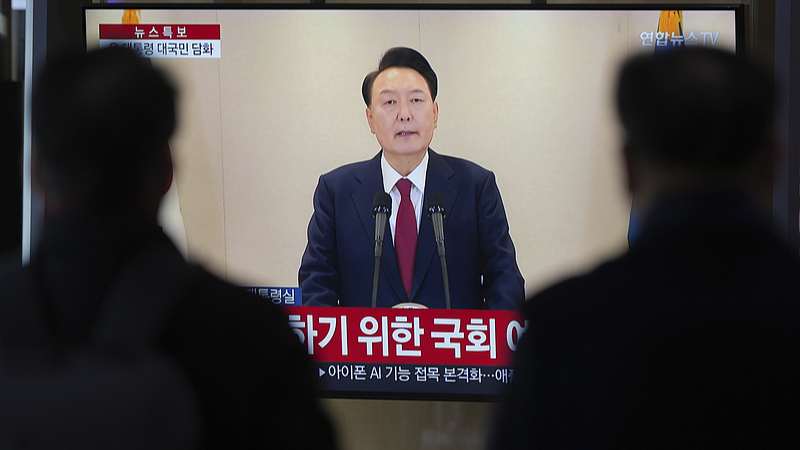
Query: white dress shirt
[417,179]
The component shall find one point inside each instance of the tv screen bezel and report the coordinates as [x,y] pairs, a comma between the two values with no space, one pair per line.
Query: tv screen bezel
[740,33]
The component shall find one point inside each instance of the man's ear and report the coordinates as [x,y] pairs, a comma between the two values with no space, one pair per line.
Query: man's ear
[42,184]
[632,170]
[435,114]
[169,170]
[369,120]
[157,183]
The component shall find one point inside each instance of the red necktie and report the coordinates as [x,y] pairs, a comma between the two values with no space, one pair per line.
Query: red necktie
[405,235]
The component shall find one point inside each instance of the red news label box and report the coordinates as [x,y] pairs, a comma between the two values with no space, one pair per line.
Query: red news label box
[148,31]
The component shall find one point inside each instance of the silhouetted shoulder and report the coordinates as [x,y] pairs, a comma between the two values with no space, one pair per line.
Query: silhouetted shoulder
[249,369]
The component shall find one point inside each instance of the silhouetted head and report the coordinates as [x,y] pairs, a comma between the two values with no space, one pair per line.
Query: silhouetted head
[696,117]
[101,122]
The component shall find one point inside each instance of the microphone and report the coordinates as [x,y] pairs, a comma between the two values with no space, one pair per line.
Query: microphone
[381,210]
[434,207]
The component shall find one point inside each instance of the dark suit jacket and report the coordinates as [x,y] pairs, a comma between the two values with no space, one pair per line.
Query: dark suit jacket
[253,379]
[690,340]
[338,262]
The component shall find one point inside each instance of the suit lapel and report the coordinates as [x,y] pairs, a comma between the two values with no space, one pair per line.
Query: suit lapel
[367,185]
[439,178]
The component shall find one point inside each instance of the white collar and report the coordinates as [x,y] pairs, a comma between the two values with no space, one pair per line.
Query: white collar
[417,176]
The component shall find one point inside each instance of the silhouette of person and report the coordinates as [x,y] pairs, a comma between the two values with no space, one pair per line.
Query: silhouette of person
[101,122]
[688,340]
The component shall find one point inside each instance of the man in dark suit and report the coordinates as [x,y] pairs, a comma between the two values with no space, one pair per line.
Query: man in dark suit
[101,122]
[690,339]
[337,266]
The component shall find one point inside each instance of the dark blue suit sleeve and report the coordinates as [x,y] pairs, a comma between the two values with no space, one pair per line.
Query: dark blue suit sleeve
[503,285]
[319,276]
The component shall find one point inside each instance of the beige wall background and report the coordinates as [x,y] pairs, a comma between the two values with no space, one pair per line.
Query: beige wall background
[523,93]
[526,94]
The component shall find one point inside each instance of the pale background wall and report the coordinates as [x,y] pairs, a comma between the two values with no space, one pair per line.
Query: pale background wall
[524,94]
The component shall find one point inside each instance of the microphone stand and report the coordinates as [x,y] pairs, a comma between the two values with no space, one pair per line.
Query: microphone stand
[436,213]
[445,280]
[375,275]
[381,209]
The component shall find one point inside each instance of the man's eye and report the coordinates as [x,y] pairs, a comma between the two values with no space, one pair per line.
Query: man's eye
[417,100]
[389,102]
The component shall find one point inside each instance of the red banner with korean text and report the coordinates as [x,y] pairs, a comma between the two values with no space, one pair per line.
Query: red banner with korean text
[412,336]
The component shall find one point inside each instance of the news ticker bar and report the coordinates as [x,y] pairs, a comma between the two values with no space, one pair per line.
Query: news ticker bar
[413,378]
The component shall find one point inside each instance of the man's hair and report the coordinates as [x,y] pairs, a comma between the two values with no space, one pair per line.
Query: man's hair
[696,107]
[401,57]
[101,122]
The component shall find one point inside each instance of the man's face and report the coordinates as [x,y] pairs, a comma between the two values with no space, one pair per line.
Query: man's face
[402,114]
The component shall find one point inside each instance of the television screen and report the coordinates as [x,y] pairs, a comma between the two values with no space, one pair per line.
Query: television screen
[271,100]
